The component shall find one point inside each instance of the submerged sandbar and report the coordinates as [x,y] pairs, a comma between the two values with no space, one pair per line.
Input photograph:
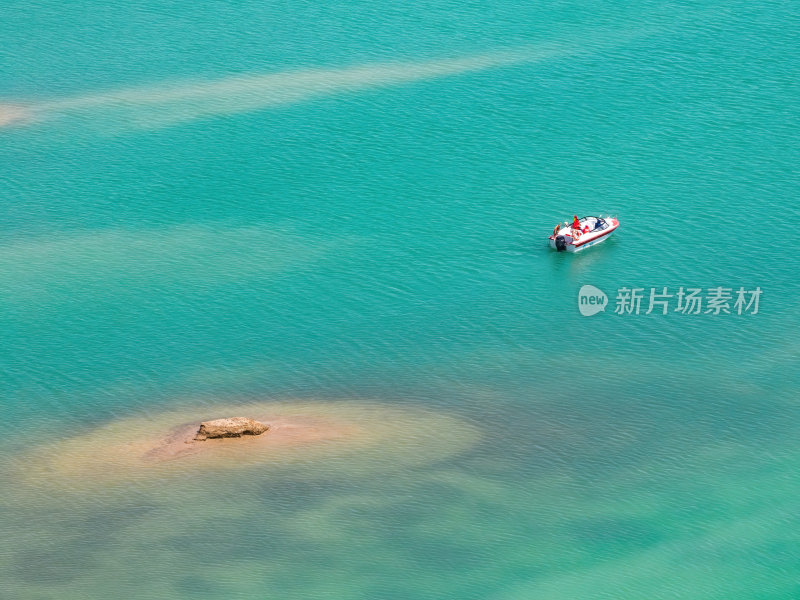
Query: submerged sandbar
[332,435]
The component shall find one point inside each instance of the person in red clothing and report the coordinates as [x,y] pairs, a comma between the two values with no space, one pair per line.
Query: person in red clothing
[576,228]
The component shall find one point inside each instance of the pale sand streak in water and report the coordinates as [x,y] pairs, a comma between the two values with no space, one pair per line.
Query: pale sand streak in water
[161,105]
[11,114]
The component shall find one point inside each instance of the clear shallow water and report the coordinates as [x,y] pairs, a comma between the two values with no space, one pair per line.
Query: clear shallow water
[378,239]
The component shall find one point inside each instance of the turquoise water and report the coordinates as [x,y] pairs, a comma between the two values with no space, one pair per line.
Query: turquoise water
[223,204]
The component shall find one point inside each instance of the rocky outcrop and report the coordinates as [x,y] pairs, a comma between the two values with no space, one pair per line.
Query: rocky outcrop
[229,428]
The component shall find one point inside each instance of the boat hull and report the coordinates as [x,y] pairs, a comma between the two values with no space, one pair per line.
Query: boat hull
[585,241]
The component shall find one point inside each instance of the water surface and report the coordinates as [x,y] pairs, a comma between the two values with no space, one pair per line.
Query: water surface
[210,205]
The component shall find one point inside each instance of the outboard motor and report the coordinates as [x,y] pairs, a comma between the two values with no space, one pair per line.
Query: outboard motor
[561,243]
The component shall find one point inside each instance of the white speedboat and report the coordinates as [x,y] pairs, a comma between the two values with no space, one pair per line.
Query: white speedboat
[582,233]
